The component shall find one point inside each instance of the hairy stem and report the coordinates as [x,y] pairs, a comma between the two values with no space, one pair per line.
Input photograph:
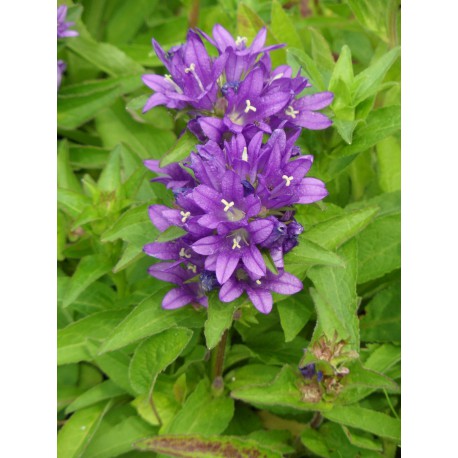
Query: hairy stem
[316,421]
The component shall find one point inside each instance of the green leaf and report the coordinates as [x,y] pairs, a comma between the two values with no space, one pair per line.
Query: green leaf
[335,297]
[202,413]
[343,70]
[110,178]
[382,320]
[310,69]
[104,56]
[128,19]
[219,319]
[115,125]
[193,446]
[311,253]
[389,164]
[75,110]
[322,55]
[171,233]
[371,421]
[77,432]
[66,179]
[149,318]
[372,15]
[87,157]
[133,217]
[294,313]
[379,248]
[335,231]
[283,26]
[115,366]
[77,341]
[361,441]
[89,269]
[379,124]
[118,439]
[154,355]
[71,202]
[101,392]
[281,392]
[367,82]
[180,150]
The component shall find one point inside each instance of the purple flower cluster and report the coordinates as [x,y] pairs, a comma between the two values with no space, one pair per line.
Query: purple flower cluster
[235,194]
[63,31]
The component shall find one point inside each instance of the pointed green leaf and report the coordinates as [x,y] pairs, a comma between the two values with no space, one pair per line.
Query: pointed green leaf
[283,26]
[335,297]
[180,150]
[89,269]
[154,355]
[149,318]
[101,392]
[295,312]
[66,179]
[367,82]
[368,420]
[77,341]
[171,233]
[78,431]
[310,69]
[335,231]
[219,318]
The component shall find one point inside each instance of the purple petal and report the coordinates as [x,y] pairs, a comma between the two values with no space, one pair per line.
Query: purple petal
[260,229]
[285,283]
[156,215]
[314,101]
[208,245]
[230,291]
[169,271]
[226,264]
[207,198]
[253,261]
[222,38]
[176,298]
[231,187]
[213,128]
[261,298]
[311,190]
[312,120]
[164,251]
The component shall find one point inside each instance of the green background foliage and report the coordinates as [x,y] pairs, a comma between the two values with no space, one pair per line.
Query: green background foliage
[130,372]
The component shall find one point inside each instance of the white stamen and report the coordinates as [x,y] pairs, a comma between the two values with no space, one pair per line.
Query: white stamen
[258,282]
[236,241]
[190,69]
[175,85]
[185,216]
[192,267]
[276,77]
[240,40]
[288,179]
[227,204]
[245,154]
[249,107]
[183,254]
[290,111]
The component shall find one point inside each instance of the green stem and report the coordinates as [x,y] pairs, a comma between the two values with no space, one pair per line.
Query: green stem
[316,421]
[218,362]
[153,405]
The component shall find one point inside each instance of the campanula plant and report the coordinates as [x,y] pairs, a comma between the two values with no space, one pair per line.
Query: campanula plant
[228,228]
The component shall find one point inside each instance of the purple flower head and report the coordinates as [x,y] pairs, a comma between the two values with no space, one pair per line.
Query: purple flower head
[62,26]
[61,66]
